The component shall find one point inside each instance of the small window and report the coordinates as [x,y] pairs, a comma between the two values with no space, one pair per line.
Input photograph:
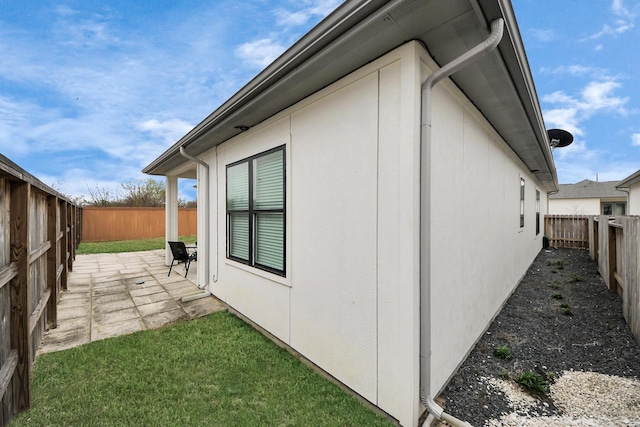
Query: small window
[614,209]
[537,212]
[256,211]
[521,202]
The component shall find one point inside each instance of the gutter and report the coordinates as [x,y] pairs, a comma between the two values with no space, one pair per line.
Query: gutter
[329,29]
[206,213]
[497,28]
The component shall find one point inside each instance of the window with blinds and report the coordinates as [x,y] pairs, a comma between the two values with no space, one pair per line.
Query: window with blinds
[521,202]
[256,211]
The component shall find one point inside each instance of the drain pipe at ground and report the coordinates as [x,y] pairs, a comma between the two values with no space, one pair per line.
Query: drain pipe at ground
[435,411]
[206,214]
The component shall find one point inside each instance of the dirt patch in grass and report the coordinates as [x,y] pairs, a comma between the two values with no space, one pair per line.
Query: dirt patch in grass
[560,319]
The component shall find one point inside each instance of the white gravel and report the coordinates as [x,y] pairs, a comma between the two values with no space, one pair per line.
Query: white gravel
[585,398]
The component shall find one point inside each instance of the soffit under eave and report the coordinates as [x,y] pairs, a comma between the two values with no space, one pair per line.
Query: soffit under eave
[502,94]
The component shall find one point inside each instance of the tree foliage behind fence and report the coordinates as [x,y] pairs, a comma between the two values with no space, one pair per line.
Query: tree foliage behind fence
[101,224]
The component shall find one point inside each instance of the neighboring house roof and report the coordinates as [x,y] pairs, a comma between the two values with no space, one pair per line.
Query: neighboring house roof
[587,189]
[634,178]
[359,31]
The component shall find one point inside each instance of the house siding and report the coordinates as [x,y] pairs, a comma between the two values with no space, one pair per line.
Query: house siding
[478,250]
[349,301]
[574,206]
[633,207]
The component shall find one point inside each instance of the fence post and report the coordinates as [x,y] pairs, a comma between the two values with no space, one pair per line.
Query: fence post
[596,248]
[68,230]
[52,263]
[631,298]
[64,243]
[613,284]
[20,289]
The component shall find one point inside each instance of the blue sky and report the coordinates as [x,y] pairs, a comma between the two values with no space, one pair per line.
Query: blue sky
[91,92]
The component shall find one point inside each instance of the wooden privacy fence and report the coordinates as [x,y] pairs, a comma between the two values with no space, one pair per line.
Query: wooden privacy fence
[39,232]
[616,249]
[101,224]
[567,231]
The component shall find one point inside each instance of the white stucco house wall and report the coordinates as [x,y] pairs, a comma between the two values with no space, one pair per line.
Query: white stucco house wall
[375,246]
[588,198]
[631,186]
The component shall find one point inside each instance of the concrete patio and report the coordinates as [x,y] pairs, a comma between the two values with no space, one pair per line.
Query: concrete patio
[116,294]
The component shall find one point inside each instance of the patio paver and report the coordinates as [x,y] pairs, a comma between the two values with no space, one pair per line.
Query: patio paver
[116,294]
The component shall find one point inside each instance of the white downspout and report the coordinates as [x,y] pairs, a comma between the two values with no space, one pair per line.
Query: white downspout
[455,65]
[206,215]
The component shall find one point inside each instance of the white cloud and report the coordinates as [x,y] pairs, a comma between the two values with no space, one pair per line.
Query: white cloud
[305,10]
[571,113]
[169,130]
[543,35]
[564,118]
[635,139]
[286,18]
[260,53]
[624,20]
[63,10]
[578,70]
[598,96]
[619,8]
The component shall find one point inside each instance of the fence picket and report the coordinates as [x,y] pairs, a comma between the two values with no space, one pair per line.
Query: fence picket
[128,223]
[31,263]
[567,231]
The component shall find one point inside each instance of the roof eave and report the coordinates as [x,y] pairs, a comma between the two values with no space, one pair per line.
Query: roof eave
[346,20]
[330,28]
[630,180]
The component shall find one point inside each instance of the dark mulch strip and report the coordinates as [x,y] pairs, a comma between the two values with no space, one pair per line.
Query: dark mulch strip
[545,337]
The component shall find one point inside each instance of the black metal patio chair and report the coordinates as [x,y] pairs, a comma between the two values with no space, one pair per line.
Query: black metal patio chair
[181,254]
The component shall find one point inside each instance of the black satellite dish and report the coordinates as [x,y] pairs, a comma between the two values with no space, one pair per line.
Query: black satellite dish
[559,138]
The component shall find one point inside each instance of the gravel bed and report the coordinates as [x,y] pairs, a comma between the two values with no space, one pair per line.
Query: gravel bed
[562,324]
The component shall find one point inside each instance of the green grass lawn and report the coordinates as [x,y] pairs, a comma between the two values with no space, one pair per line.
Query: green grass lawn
[213,371]
[128,245]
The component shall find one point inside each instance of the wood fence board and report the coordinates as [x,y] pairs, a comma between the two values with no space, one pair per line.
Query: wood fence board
[567,231]
[6,399]
[4,222]
[53,283]
[7,368]
[20,290]
[34,248]
[631,276]
[120,223]
[64,244]
[7,273]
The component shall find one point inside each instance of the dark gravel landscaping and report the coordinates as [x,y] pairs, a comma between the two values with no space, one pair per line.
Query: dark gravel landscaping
[560,318]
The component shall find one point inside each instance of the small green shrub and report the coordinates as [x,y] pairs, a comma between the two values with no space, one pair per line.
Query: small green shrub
[558,263]
[502,352]
[567,312]
[564,305]
[576,278]
[532,382]
[556,296]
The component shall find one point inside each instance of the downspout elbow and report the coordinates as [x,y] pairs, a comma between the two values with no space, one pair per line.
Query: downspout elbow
[194,159]
[472,55]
